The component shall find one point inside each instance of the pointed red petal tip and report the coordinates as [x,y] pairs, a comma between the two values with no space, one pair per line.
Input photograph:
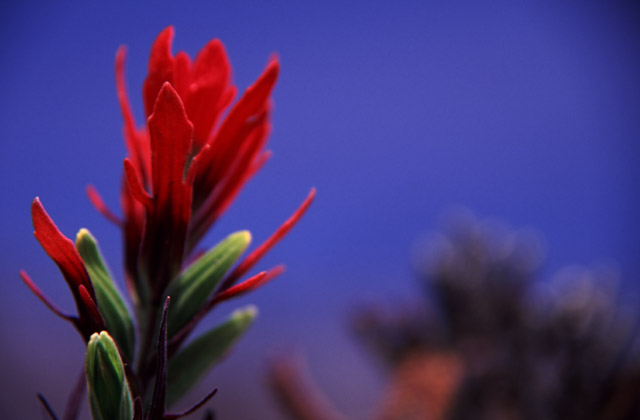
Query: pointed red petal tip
[60,248]
[264,85]
[250,284]
[260,251]
[121,88]
[160,68]
[170,132]
[161,48]
[273,66]
[121,55]
[246,286]
[211,61]
[168,100]
[43,298]
[99,204]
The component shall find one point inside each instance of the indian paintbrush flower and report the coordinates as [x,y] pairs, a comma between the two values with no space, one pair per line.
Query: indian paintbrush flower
[184,168]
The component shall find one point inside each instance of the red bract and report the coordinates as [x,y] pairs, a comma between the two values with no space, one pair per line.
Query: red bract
[169,210]
[186,166]
[64,254]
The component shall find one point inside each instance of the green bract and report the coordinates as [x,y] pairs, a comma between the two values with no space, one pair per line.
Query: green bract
[193,362]
[109,393]
[194,286]
[110,301]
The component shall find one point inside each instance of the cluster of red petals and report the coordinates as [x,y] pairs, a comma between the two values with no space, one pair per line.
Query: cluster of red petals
[188,163]
[63,252]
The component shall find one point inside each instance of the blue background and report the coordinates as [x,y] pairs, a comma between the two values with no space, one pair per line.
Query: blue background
[524,111]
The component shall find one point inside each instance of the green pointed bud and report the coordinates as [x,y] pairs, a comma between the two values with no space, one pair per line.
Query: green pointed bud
[109,393]
[191,290]
[191,364]
[112,307]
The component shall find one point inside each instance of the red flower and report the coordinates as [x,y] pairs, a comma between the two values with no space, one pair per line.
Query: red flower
[183,170]
[188,164]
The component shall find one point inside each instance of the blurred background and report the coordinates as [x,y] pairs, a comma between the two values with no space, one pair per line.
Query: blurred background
[524,111]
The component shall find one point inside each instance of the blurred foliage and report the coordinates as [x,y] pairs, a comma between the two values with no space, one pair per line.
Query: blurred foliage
[490,340]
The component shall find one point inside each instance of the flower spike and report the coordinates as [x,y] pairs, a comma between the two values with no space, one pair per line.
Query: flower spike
[184,167]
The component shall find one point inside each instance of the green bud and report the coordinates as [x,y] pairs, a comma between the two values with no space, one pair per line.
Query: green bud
[191,364]
[109,393]
[110,301]
[194,286]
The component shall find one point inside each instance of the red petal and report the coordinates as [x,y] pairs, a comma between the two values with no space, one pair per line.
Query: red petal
[252,136]
[59,248]
[98,203]
[226,189]
[211,76]
[160,69]
[260,251]
[249,285]
[227,140]
[181,73]
[170,133]
[44,299]
[136,141]
[252,102]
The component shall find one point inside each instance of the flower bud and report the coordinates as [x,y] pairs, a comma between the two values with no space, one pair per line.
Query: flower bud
[109,299]
[109,393]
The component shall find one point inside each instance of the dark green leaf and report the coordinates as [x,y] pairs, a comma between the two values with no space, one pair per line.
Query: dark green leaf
[189,366]
[194,286]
